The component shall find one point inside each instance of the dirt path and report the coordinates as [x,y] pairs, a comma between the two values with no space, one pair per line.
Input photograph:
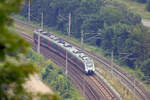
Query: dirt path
[35,85]
[146,23]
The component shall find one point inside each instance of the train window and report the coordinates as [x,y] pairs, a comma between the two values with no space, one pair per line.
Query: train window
[55,46]
[44,41]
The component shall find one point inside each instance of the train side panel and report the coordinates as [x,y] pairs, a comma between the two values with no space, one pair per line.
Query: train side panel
[60,51]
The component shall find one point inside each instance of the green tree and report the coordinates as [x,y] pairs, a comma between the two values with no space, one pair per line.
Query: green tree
[148,6]
[141,1]
[145,69]
[13,71]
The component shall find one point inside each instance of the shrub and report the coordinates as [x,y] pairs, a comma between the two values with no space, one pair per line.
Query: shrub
[148,6]
[141,1]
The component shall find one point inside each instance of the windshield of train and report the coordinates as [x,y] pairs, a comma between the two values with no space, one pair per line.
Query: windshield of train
[89,64]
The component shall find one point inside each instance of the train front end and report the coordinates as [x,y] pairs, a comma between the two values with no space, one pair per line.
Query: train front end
[89,67]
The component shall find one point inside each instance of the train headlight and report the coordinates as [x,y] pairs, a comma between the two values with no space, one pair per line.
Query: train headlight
[86,69]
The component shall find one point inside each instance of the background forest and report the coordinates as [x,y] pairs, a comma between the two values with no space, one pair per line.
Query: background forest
[112,27]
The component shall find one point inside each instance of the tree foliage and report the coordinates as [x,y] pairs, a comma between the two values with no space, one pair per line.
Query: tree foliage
[148,5]
[141,1]
[54,77]
[13,71]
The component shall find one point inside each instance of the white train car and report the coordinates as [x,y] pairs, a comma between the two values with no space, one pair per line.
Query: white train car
[60,47]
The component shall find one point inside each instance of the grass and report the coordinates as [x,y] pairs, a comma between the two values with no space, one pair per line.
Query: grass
[147,87]
[125,93]
[50,79]
[11,29]
[136,7]
[24,28]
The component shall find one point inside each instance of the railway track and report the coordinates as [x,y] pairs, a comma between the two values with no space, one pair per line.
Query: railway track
[75,75]
[95,91]
[92,91]
[126,79]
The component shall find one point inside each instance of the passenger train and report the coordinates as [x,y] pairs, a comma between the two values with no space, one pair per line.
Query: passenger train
[61,47]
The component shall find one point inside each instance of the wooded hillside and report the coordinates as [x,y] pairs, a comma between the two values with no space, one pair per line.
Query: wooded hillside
[111,25]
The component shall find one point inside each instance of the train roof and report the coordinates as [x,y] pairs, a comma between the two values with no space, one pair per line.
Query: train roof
[78,53]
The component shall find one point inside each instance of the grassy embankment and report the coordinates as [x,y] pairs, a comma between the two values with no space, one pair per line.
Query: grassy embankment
[115,82]
[54,77]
